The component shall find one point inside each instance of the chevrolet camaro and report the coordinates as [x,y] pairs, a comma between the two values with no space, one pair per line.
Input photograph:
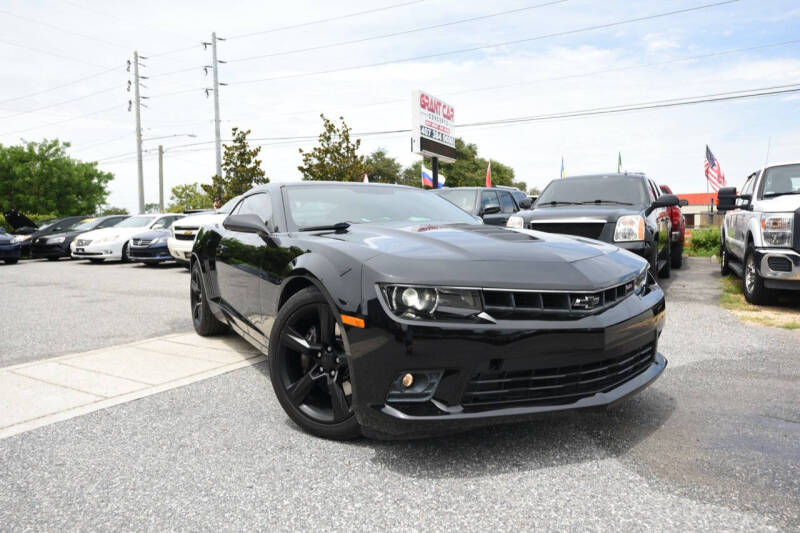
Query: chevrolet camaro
[388,311]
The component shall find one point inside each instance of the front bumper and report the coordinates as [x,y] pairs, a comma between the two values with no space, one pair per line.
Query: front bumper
[10,251]
[503,372]
[103,250]
[780,267]
[180,249]
[149,254]
[39,251]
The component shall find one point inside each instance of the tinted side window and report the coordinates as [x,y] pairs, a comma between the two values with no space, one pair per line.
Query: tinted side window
[109,222]
[164,222]
[489,198]
[506,202]
[257,204]
[747,189]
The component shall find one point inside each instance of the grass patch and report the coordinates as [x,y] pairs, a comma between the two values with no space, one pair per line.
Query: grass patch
[705,242]
[732,299]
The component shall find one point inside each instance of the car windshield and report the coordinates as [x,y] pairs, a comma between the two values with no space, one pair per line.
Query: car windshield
[463,198]
[83,224]
[45,224]
[325,205]
[135,222]
[591,189]
[781,180]
[228,206]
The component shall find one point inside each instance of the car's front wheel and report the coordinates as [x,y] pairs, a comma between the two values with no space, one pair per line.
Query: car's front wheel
[308,367]
[203,320]
[724,265]
[754,290]
[125,257]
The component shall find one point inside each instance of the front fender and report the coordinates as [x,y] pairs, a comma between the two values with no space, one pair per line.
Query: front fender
[754,230]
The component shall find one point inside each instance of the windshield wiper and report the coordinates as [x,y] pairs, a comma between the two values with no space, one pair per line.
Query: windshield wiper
[559,202]
[604,202]
[774,194]
[339,227]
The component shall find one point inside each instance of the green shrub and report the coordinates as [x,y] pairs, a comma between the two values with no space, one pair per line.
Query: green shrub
[705,242]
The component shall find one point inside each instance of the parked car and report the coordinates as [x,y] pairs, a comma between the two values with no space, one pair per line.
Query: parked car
[27,231]
[56,245]
[113,243]
[183,234]
[388,311]
[627,210]
[150,247]
[519,196]
[760,236]
[677,234]
[491,204]
[10,249]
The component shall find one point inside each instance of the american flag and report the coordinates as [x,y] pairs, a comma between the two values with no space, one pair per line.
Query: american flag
[714,174]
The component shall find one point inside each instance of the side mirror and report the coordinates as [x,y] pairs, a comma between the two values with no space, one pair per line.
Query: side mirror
[249,223]
[525,203]
[684,203]
[665,200]
[726,199]
[490,210]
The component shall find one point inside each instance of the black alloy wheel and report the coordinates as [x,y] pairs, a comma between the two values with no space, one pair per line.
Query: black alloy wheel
[203,320]
[309,369]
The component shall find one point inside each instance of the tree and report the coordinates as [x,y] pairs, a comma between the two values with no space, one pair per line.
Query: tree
[152,208]
[188,196]
[335,158]
[111,210]
[382,168]
[534,191]
[241,168]
[39,177]
[468,170]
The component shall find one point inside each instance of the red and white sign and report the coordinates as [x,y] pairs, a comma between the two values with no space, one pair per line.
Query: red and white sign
[433,127]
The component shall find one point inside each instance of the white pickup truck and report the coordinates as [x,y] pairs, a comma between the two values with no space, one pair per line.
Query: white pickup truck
[761,231]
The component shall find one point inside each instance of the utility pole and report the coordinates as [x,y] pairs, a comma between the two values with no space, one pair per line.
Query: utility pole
[161,178]
[137,101]
[215,64]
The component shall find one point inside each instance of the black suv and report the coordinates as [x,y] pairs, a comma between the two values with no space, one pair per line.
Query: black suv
[627,210]
[493,205]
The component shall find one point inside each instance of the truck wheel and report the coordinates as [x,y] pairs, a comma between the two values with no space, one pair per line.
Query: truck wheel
[754,290]
[677,255]
[666,270]
[724,268]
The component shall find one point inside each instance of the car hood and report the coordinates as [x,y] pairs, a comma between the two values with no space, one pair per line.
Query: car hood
[199,220]
[152,234]
[487,255]
[608,213]
[780,204]
[104,232]
[17,220]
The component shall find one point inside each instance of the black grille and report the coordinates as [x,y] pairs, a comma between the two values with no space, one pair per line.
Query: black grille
[796,229]
[553,386]
[182,237]
[590,230]
[141,242]
[531,304]
[779,264]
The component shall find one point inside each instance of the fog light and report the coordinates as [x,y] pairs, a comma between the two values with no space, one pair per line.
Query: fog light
[408,380]
[417,387]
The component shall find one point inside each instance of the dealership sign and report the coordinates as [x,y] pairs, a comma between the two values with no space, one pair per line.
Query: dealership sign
[433,127]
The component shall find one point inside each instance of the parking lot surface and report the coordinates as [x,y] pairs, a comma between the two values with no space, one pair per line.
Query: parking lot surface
[53,308]
[713,444]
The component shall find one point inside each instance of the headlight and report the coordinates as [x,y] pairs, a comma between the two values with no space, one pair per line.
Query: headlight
[641,281]
[20,238]
[776,229]
[515,222]
[159,240]
[416,302]
[55,240]
[629,228]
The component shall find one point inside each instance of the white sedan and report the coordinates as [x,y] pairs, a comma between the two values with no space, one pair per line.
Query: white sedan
[112,243]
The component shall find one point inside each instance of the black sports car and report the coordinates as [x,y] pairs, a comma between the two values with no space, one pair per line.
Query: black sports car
[628,210]
[388,311]
[56,245]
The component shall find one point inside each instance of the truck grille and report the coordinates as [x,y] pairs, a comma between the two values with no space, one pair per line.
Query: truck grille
[141,242]
[779,264]
[796,229]
[590,230]
[532,304]
[553,386]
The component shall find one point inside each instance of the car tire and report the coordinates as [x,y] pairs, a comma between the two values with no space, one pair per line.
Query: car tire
[124,257]
[653,260]
[96,261]
[666,270]
[677,255]
[309,369]
[754,290]
[724,266]
[11,261]
[203,320]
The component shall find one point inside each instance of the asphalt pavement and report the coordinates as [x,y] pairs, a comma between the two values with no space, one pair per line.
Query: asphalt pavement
[712,445]
[49,308]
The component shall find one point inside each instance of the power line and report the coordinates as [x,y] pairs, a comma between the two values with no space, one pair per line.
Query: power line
[121,19]
[54,54]
[85,78]
[64,30]
[398,33]
[493,45]
[321,21]
[92,113]
[56,104]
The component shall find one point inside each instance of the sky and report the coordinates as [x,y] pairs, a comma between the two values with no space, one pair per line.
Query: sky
[65,77]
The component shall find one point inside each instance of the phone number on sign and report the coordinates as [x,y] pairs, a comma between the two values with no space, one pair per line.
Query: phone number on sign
[438,136]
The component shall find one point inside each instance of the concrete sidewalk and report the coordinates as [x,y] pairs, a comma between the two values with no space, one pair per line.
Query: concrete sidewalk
[43,392]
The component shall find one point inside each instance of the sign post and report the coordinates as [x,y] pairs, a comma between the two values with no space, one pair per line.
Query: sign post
[433,130]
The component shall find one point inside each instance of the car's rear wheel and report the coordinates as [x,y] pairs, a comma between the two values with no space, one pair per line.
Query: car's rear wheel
[308,367]
[677,255]
[125,257]
[203,320]
[666,270]
[754,290]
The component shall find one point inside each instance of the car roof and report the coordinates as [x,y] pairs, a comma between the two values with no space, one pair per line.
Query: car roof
[639,175]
